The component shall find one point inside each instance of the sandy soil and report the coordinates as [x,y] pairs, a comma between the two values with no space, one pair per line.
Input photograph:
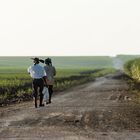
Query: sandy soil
[104,109]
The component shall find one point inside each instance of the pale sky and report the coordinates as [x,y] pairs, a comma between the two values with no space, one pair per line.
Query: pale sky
[69,27]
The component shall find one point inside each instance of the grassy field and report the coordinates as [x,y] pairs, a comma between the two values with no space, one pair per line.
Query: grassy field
[83,62]
[15,82]
[59,62]
[16,87]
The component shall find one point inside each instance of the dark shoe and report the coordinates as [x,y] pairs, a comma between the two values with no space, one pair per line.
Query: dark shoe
[35,105]
[41,105]
[48,102]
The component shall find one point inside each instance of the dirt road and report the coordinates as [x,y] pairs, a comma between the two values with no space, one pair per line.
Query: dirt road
[103,109]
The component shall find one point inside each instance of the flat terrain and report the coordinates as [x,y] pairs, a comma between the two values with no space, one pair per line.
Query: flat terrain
[104,109]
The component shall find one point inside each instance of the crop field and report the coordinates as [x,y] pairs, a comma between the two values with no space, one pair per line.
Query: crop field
[15,82]
[59,62]
[16,87]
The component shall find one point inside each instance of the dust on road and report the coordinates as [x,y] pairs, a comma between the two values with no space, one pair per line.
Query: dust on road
[104,109]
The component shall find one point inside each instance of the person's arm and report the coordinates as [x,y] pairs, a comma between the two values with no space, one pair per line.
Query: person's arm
[45,77]
[45,80]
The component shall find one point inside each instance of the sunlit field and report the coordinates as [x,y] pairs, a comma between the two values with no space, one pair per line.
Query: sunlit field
[59,62]
[15,82]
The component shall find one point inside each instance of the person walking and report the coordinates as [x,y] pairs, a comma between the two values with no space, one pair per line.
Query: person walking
[51,72]
[38,75]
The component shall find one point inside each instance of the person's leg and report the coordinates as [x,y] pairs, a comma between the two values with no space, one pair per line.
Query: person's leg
[50,88]
[41,86]
[35,87]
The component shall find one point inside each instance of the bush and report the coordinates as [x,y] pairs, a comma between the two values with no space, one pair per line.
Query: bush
[132,68]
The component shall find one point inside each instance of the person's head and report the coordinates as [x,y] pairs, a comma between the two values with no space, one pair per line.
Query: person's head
[37,60]
[48,61]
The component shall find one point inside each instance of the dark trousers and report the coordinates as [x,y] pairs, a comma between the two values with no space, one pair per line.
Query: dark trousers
[50,88]
[38,85]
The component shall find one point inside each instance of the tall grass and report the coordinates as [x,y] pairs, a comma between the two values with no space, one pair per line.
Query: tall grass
[17,86]
[132,68]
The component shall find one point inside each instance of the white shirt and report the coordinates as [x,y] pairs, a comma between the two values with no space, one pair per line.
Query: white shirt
[36,71]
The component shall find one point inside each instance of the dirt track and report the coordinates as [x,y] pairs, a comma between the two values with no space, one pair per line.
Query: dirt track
[101,110]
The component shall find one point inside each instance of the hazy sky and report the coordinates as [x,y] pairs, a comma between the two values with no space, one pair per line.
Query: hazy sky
[69,27]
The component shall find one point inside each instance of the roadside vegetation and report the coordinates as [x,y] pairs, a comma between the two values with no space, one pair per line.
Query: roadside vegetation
[132,69]
[15,84]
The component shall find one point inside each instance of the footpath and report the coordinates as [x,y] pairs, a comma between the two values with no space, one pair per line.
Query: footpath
[104,109]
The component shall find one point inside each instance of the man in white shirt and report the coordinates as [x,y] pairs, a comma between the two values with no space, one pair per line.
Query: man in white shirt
[38,75]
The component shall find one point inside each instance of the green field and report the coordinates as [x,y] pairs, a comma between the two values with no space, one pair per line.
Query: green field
[82,62]
[59,62]
[15,82]
[16,87]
